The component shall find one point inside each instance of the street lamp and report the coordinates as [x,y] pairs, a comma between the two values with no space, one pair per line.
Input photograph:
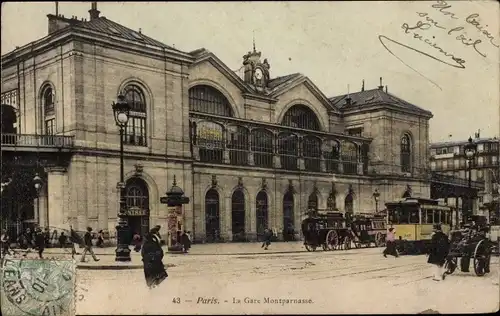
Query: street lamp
[121,111]
[37,182]
[470,150]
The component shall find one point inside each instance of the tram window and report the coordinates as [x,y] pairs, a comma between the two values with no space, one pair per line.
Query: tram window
[414,218]
[437,217]
[430,216]
[444,217]
[403,216]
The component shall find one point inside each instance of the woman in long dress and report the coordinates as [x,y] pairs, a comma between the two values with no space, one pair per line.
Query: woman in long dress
[152,255]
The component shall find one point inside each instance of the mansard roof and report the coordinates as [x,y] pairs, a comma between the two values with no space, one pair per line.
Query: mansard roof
[374,97]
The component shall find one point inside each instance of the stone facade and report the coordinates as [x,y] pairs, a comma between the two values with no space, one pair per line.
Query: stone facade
[85,78]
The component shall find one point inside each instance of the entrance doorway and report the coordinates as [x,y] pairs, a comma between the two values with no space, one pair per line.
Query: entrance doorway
[238,215]
[137,198]
[262,213]
[212,221]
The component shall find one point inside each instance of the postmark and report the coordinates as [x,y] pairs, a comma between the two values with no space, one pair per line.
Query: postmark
[38,287]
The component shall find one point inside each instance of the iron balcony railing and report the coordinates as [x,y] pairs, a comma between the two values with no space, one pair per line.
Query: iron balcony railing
[32,140]
[443,178]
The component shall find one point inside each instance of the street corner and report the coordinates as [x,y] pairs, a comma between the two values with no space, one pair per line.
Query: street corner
[38,286]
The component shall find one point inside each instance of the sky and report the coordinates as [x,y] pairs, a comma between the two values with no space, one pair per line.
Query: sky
[444,58]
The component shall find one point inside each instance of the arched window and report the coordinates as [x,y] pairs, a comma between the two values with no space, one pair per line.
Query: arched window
[311,148]
[137,205]
[301,116]
[135,131]
[210,141]
[206,99]
[9,118]
[349,153]
[238,144]
[349,203]
[212,215]
[332,156]
[312,201]
[262,148]
[288,151]
[238,215]
[48,101]
[288,210]
[406,153]
[261,207]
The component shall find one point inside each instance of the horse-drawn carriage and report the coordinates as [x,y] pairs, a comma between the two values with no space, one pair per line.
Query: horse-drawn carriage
[466,244]
[367,229]
[326,230]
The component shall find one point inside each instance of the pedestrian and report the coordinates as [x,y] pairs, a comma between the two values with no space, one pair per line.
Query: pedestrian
[40,239]
[100,239]
[267,238]
[5,243]
[137,242]
[152,256]
[157,229]
[88,245]
[63,239]
[75,239]
[186,241]
[26,241]
[439,248]
[390,248]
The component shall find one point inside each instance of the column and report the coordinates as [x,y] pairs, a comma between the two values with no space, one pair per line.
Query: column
[251,219]
[56,215]
[227,213]
[43,211]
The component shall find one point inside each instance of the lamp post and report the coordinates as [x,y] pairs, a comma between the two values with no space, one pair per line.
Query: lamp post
[470,150]
[37,182]
[121,111]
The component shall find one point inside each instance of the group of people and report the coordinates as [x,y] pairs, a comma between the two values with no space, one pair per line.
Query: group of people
[28,240]
[438,251]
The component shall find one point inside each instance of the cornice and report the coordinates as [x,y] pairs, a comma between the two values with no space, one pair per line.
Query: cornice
[384,106]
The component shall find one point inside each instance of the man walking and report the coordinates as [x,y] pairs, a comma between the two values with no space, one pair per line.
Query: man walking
[40,241]
[88,245]
[440,246]
[390,248]
[268,234]
[5,243]
[26,241]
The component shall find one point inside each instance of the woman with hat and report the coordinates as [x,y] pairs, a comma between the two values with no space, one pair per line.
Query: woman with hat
[152,256]
[439,248]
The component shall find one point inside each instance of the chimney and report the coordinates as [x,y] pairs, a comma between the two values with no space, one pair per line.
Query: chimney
[57,22]
[381,87]
[386,89]
[363,86]
[94,13]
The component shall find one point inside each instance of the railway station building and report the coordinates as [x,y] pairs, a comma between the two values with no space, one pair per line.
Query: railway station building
[251,150]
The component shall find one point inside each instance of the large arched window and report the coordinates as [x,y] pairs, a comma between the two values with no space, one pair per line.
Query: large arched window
[331,152]
[349,153]
[48,101]
[262,148]
[288,210]
[209,137]
[238,215]
[288,150]
[135,131]
[406,153]
[137,205]
[212,215]
[311,149]
[238,144]
[301,116]
[262,210]
[206,99]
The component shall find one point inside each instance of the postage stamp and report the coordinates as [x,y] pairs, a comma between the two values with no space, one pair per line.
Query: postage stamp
[38,287]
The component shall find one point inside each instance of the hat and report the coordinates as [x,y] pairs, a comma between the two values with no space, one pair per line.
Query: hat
[437,227]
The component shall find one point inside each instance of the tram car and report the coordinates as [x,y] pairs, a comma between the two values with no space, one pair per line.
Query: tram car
[368,229]
[413,220]
[327,230]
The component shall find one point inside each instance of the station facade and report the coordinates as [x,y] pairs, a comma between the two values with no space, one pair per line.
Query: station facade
[251,149]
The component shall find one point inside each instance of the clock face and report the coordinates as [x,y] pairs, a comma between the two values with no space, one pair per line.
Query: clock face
[258,73]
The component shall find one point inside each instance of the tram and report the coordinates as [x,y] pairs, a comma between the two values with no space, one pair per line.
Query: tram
[413,220]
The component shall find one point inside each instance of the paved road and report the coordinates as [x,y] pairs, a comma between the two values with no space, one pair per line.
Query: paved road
[355,281]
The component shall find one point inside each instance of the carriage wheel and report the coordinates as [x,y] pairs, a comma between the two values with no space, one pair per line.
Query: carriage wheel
[332,240]
[347,243]
[481,259]
[451,265]
[379,240]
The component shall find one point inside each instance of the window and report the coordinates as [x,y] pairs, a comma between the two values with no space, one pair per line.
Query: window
[332,156]
[300,116]
[135,130]
[480,161]
[50,126]
[433,152]
[494,147]
[311,149]
[206,99]
[288,150]
[456,163]
[210,140]
[445,164]
[10,98]
[494,160]
[262,148]
[48,100]
[480,148]
[437,216]
[238,145]
[405,153]
[429,218]
[414,217]
[442,151]
[456,150]
[433,165]
[349,154]
[137,194]
[358,132]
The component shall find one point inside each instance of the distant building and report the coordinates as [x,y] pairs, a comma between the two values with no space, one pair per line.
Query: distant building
[449,158]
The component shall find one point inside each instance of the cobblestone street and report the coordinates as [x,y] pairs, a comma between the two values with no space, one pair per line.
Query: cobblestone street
[354,281]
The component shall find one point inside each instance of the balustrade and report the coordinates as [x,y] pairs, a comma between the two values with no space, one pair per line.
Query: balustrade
[32,140]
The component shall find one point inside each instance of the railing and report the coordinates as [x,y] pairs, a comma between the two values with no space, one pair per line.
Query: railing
[443,178]
[32,140]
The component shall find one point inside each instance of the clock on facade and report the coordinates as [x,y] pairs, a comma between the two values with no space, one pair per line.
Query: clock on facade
[258,74]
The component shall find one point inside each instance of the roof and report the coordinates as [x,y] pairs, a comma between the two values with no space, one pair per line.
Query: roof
[278,81]
[463,142]
[103,25]
[372,97]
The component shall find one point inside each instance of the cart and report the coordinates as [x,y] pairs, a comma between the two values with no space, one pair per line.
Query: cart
[326,230]
[468,244]
[368,229]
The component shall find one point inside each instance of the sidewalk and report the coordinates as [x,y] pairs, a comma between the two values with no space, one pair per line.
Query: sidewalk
[107,255]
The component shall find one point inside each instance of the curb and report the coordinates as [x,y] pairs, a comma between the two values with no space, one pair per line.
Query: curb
[204,254]
[116,267]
